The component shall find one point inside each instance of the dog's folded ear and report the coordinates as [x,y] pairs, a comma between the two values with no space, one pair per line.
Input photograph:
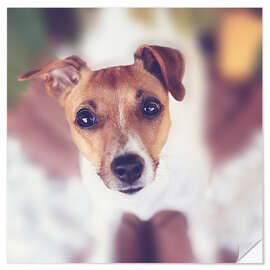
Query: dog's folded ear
[166,64]
[60,76]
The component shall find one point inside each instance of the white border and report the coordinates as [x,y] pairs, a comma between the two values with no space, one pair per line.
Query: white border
[3,121]
[145,3]
[130,3]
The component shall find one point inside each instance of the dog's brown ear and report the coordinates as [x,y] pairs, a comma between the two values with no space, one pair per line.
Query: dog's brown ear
[167,65]
[60,76]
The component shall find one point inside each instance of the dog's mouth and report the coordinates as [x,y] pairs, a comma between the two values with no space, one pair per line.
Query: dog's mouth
[130,191]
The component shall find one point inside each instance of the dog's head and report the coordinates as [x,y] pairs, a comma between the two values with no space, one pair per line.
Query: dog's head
[118,116]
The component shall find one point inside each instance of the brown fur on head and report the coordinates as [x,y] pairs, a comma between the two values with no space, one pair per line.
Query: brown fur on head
[115,96]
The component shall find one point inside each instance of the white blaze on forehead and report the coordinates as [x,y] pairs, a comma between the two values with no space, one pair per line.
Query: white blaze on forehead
[121,107]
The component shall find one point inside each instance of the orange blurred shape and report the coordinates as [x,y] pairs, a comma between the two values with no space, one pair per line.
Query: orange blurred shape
[239,42]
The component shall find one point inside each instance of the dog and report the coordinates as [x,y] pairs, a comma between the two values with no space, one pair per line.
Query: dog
[133,159]
[119,119]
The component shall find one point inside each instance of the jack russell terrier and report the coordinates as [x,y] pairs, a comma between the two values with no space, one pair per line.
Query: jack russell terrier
[120,118]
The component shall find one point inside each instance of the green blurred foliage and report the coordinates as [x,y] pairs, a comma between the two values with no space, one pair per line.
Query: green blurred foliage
[27,39]
[143,15]
[196,19]
[186,19]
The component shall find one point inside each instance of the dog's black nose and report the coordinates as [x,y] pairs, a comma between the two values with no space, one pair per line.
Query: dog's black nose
[128,168]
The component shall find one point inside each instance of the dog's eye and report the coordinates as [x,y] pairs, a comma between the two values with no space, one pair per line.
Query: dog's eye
[85,118]
[151,107]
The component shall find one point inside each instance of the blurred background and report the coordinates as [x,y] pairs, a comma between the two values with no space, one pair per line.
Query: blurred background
[47,206]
